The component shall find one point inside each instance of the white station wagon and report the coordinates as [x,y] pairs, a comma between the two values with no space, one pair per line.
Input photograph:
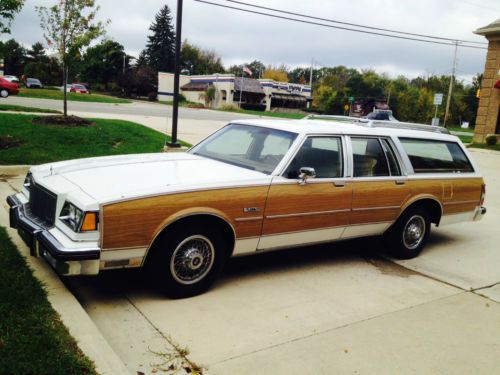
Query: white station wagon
[254,185]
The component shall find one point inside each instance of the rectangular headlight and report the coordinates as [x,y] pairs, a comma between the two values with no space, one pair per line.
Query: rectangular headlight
[78,220]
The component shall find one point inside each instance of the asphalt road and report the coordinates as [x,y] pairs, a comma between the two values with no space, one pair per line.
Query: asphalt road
[136,108]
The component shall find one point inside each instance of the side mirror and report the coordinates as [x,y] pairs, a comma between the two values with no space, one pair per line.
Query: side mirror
[305,173]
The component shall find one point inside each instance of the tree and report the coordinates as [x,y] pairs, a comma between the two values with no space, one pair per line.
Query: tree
[8,9]
[200,61]
[103,63]
[277,74]
[37,52]
[160,49]
[14,57]
[70,26]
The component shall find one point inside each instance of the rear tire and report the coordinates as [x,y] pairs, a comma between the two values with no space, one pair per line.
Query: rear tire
[4,93]
[408,236]
[186,261]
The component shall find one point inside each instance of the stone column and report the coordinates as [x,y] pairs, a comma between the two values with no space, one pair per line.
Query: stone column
[489,102]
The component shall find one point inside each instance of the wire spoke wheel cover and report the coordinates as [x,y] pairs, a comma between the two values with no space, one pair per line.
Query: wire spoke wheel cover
[192,259]
[414,232]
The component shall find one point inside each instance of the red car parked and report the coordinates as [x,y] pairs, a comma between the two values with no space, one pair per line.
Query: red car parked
[78,88]
[8,88]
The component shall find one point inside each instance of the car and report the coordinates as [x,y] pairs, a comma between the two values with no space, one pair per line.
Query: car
[33,83]
[12,79]
[252,186]
[8,88]
[78,88]
[385,115]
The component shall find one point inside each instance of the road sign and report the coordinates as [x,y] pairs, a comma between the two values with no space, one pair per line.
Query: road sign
[346,107]
[438,99]
[351,99]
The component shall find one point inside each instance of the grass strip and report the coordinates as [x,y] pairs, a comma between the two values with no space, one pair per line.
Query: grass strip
[49,143]
[33,340]
[20,108]
[58,95]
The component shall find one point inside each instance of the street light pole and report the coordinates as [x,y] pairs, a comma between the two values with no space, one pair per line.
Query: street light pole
[177,67]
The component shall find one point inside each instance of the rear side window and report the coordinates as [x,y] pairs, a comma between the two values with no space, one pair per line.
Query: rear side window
[369,158]
[431,156]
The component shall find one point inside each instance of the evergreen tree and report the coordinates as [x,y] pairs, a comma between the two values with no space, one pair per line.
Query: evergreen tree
[37,52]
[160,49]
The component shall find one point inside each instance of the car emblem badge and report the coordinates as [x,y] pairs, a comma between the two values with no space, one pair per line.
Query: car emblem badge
[251,209]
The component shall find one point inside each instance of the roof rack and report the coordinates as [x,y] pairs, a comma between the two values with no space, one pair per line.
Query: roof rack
[381,123]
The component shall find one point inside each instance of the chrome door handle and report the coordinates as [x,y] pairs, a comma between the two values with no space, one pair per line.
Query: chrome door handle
[400,182]
[339,183]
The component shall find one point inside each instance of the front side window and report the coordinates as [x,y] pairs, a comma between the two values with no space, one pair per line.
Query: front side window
[432,156]
[250,147]
[369,158]
[324,154]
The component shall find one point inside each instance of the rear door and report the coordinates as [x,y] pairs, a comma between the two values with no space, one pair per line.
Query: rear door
[379,186]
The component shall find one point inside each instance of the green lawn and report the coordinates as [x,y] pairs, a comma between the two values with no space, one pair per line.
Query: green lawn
[485,146]
[33,340]
[20,108]
[459,129]
[465,139]
[48,143]
[58,95]
[293,116]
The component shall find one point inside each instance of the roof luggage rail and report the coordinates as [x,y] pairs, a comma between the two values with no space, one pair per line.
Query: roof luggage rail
[381,123]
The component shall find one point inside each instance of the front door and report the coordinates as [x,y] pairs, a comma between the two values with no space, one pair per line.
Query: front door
[311,211]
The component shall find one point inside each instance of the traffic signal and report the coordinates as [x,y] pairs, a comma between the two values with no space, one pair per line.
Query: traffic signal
[478,93]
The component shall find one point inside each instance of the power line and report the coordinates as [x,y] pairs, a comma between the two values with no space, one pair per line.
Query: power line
[352,24]
[334,27]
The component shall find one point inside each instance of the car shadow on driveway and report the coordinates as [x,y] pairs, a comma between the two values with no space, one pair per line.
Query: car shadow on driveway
[115,284]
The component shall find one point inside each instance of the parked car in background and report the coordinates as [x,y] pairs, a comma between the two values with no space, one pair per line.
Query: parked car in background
[33,83]
[8,88]
[384,115]
[12,79]
[254,185]
[79,89]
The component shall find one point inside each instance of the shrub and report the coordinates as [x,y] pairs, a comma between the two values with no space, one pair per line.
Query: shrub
[152,96]
[491,140]
[254,107]
[229,107]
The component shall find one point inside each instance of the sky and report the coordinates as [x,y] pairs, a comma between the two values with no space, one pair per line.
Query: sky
[242,37]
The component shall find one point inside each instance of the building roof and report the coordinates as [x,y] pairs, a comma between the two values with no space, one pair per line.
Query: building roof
[492,28]
[249,85]
[195,86]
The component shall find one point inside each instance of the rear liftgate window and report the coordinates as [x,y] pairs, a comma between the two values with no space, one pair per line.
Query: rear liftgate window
[430,156]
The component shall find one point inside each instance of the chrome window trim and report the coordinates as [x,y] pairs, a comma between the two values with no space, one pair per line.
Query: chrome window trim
[307,213]
[281,171]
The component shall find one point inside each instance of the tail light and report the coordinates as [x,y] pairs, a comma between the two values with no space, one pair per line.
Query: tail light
[483,194]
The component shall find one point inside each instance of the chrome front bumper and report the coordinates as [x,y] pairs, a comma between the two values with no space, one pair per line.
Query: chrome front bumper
[43,244]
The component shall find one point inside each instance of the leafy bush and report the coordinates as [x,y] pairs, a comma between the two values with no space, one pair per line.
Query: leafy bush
[254,107]
[229,107]
[152,96]
[491,140]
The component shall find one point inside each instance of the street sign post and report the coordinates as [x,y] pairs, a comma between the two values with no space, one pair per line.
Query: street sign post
[438,100]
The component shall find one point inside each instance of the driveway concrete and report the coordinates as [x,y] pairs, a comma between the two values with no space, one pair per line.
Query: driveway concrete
[467,254]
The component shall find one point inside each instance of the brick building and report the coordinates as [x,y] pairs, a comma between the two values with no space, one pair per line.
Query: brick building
[488,113]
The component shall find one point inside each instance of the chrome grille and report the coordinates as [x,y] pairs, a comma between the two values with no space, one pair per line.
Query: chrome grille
[42,204]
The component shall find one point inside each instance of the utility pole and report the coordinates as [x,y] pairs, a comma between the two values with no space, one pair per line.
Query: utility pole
[450,88]
[177,67]
[311,75]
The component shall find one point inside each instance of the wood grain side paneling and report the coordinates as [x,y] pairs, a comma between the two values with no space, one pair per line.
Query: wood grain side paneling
[136,222]
[377,201]
[313,206]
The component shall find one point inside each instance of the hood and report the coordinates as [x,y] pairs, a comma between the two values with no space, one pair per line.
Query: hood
[123,177]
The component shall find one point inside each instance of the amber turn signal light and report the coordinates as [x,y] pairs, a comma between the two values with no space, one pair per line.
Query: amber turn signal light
[89,222]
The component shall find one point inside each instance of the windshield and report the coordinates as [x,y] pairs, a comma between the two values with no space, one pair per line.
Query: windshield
[251,147]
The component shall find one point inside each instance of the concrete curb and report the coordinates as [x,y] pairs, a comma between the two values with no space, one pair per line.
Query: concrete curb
[75,318]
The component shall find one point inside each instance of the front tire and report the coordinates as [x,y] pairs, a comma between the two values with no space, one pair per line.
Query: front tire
[186,261]
[408,236]
[4,93]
